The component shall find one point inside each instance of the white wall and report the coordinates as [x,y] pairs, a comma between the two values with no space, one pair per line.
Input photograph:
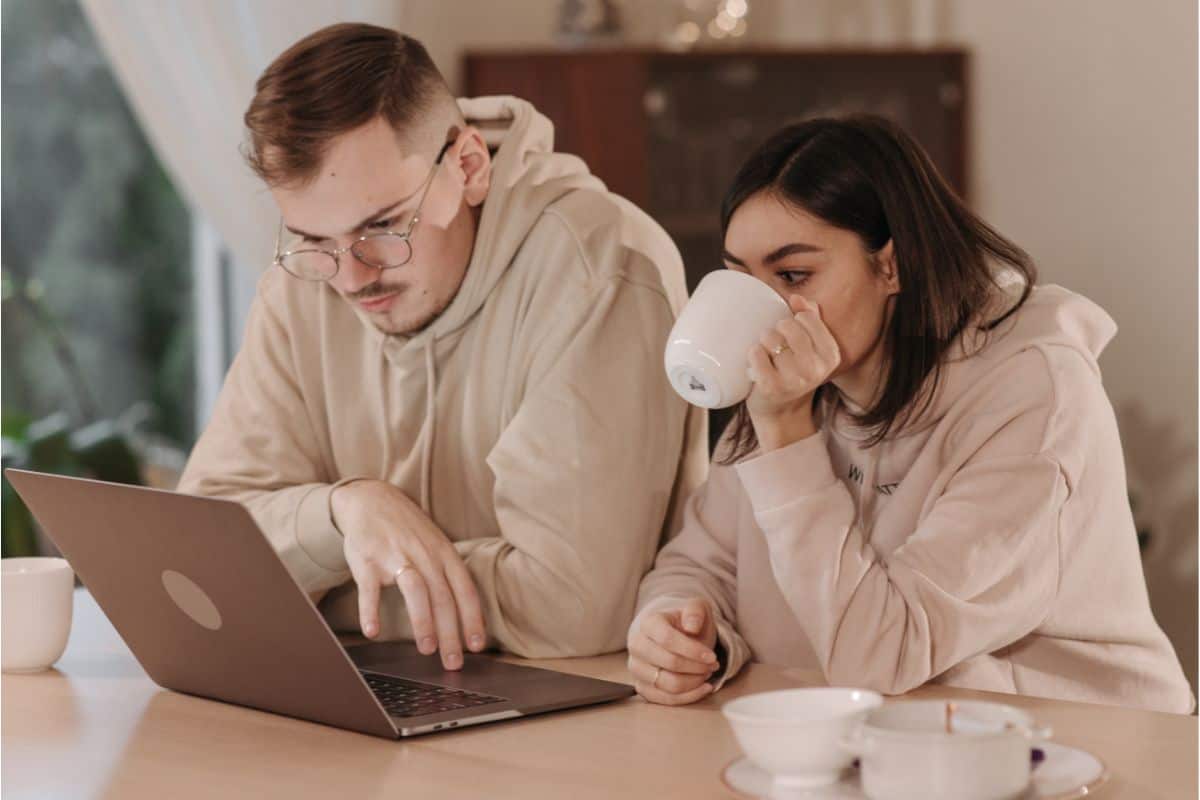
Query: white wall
[1084,151]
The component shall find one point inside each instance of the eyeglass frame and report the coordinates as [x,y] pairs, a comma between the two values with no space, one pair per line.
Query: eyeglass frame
[406,236]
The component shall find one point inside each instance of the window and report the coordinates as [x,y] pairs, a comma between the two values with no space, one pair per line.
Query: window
[97,298]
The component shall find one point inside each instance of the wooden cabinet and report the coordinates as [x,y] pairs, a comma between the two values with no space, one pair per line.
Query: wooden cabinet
[669,130]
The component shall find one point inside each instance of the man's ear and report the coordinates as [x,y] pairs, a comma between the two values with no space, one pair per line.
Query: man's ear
[470,162]
[885,260]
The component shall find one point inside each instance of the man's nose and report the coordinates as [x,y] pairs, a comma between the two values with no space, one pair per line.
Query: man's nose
[353,275]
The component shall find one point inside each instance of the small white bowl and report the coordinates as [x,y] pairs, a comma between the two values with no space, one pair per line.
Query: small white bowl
[37,597]
[797,734]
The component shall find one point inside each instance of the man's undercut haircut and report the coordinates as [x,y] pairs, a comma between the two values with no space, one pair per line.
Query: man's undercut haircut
[334,81]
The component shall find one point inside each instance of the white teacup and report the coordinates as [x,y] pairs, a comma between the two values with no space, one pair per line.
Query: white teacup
[908,755]
[707,352]
[797,734]
[38,597]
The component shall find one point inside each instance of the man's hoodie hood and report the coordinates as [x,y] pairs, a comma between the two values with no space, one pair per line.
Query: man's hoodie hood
[527,177]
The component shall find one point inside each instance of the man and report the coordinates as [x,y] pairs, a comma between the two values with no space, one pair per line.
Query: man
[449,413]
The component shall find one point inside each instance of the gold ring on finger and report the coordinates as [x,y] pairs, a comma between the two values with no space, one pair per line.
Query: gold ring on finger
[657,672]
[396,575]
[779,349]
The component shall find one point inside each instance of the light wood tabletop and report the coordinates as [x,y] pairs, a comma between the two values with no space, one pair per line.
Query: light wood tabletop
[96,726]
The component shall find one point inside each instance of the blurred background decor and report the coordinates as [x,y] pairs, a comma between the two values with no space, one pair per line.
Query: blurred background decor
[706,22]
[588,21]
[1071,126]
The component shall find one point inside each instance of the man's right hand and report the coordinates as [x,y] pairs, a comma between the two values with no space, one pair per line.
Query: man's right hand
[671,653]
[389,540]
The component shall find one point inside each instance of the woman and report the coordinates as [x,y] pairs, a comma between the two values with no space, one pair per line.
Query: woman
[926,483]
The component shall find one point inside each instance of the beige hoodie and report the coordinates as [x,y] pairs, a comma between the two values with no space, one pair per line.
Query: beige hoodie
[987,545]
[531,420]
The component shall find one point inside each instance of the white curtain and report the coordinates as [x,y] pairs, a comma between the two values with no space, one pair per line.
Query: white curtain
[188,69]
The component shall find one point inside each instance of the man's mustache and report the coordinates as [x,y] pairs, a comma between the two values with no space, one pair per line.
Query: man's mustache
[377,289]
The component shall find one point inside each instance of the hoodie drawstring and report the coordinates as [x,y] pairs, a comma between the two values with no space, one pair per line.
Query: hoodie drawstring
[430,426]
[385,468]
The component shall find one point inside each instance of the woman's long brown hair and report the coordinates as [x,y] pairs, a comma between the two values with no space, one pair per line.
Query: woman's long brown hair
[864,174]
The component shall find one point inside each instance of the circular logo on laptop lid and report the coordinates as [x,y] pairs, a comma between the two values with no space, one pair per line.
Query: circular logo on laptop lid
[191,599]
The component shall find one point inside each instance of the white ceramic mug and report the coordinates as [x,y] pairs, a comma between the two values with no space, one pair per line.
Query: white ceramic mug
[907,755]
[707,352]
[38,597]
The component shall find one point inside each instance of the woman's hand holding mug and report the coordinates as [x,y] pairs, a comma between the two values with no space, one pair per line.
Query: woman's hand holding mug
[788,365]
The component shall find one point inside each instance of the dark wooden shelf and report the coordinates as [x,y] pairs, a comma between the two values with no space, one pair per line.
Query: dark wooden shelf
[669,129]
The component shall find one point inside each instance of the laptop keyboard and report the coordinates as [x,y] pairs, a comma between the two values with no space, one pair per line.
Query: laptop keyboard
[405,698]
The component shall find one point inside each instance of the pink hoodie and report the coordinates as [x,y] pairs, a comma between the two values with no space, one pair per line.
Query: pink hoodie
[988,545]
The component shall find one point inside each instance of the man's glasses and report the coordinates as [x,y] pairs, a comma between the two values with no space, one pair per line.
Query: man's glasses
[381,250]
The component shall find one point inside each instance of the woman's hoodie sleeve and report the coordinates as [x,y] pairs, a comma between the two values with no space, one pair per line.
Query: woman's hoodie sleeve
[701,561]
[979,572]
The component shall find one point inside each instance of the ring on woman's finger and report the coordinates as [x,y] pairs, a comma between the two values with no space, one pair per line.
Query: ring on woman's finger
[779,349]
[396,575]
[657,672]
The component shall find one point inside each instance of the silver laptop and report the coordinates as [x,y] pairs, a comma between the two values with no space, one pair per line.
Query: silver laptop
[208,609]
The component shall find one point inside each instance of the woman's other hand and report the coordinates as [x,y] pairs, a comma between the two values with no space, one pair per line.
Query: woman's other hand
[671,654]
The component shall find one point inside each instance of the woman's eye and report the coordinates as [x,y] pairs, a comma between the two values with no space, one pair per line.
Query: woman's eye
[381,224]
[793,277]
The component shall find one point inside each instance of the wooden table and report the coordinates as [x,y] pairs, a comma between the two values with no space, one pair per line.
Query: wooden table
[97,727]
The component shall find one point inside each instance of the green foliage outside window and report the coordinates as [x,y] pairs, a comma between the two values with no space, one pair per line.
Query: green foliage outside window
[97,321]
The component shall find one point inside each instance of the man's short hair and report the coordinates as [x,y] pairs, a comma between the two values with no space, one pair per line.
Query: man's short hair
[333,81]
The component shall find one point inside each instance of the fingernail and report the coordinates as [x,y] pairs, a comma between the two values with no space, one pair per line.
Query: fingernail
[428,644]
[453,660]
[710,657]
[477,642]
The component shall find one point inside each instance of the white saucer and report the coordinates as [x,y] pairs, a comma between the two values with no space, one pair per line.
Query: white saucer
[1064,774]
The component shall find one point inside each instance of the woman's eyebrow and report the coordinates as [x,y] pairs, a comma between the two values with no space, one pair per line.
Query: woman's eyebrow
[781,253]
[778,254]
